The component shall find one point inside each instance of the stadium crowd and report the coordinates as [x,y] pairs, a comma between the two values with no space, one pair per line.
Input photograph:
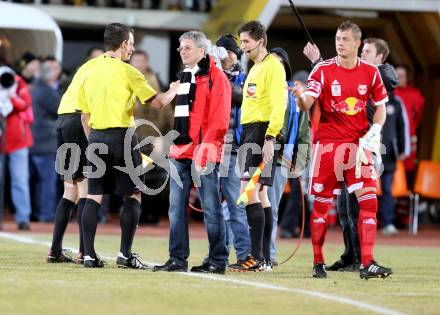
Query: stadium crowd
[174,5]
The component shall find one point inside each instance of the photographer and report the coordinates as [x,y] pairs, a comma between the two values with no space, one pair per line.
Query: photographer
[18,138]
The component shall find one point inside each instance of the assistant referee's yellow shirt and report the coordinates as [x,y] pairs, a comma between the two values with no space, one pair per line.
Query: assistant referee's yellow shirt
[68,104]
[265,95]
[109,91]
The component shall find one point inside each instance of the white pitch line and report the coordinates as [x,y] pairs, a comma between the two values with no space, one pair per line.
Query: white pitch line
[325,296]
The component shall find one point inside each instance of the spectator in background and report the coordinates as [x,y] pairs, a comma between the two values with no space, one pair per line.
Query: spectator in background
[162,119]
[18,140]
[414,103]
[290,221]
[46,98]
[394,132]
[295,131]
[28,67]
[237,231]
[94,52]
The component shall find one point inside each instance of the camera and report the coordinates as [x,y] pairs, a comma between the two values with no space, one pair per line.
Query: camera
[7,77]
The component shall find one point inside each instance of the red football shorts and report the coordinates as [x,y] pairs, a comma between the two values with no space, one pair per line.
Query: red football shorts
[334,163]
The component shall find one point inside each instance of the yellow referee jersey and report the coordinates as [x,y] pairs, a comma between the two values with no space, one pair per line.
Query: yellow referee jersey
[68,104]
[108,93]
[265,95]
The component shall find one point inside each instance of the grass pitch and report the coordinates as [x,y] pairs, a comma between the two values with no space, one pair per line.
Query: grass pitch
[28,285]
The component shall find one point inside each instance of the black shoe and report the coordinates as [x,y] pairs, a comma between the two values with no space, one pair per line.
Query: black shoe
[319,271]
[260,266]
[24,226]
[171,266]
[62,257]
[374,270]
[350,268]
[338,265]
[96,262]
[208,268]
[133,262]
[243,265]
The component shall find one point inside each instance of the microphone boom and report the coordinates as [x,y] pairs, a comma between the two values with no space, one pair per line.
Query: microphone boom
[301,22]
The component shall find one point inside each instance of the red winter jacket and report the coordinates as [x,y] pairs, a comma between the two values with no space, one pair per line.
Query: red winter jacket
[18,132]
[209,118]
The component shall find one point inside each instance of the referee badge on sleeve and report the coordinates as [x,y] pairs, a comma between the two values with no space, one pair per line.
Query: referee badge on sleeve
[251,89]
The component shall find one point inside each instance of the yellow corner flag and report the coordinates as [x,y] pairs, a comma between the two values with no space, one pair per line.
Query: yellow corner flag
[146,160]
[244,196]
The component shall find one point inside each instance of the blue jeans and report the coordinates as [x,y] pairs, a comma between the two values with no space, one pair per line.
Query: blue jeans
[18,163]
[209,192]
[387,203]
[275,193]
[44,184]
[235,215]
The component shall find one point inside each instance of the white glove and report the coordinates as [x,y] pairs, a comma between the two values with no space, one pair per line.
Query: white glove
[361,158]
[372,139]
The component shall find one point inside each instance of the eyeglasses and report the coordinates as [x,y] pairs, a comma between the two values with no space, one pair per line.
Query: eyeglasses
[185,48]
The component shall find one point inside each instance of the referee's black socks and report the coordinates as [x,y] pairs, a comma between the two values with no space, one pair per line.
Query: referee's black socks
[255,216]
[89,225]
[80,209]
[268,226]
[62,216]
[129,221]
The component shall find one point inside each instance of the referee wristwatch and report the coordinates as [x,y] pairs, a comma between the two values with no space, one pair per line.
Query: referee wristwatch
[269,138]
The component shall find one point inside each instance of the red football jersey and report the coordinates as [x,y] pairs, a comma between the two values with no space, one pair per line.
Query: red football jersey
[342,95]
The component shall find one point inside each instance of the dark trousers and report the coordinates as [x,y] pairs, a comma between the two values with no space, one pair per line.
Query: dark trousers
[348,212]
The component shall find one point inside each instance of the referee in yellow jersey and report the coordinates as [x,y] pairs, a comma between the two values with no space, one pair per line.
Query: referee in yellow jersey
[71,160]
[106,99]
[262,117]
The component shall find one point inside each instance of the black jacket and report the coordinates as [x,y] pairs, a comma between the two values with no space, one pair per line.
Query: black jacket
[393,131]
[45,101]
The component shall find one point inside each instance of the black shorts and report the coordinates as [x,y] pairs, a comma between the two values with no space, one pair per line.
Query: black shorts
[70,162]
[254,133]
[114,180]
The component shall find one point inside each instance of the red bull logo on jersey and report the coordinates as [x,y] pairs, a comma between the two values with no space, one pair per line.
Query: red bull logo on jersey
[350,106]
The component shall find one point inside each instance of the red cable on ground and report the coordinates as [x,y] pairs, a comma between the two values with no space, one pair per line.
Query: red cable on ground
[302,225]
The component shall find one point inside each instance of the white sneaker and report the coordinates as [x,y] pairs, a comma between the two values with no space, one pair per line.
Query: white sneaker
[389,230]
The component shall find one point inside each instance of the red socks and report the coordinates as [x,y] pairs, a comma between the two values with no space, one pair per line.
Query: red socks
[367,226]
[318,226]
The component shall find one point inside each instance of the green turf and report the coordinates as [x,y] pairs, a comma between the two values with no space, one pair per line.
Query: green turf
[30,286]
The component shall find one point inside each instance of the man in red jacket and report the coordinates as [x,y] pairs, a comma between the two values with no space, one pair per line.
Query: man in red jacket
[18,140]
[414,103]
[201,117]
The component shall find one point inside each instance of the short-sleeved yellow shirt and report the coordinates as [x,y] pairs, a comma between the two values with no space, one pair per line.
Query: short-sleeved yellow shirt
[108,93]
[265,95]
[68,104]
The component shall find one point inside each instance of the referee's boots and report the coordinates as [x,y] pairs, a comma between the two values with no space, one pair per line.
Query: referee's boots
[132,262]
[62,257]
[96,262]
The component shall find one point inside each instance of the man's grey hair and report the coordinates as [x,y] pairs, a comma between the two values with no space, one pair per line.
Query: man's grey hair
[199,39]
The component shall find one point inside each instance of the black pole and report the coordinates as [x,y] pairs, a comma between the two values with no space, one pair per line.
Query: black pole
[303,26]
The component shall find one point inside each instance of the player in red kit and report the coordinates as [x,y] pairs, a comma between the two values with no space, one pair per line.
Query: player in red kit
[345,142]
